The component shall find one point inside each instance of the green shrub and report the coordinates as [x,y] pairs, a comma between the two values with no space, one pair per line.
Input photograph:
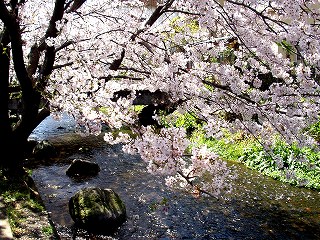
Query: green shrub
[287,163]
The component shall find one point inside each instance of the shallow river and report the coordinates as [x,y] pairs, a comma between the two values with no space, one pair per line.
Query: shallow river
[258,208]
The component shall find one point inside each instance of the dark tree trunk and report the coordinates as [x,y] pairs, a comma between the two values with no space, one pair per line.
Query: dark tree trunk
[15,137]
[5,128]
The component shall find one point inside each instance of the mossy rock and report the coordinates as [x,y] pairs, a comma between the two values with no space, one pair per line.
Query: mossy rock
[97,210]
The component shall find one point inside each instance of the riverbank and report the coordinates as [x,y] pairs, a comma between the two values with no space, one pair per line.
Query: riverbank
[5,229]
[22,212]
[258,207]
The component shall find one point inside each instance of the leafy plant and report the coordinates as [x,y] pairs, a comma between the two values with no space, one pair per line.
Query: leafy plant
[20,204]
[314,131]
[287,163]
[47,230]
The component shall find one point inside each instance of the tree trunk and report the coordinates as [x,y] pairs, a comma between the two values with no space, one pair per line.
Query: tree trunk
[5,128]
[14,139]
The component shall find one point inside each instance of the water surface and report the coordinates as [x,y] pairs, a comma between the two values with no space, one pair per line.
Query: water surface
[258,208]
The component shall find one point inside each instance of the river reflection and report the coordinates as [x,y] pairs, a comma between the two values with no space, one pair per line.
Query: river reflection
[258,208]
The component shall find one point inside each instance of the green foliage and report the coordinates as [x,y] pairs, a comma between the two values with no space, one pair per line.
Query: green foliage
[138,108]
[4,49]
[161,204]
[227,56]
[314,131]
[19,202]
[286,46]
[48,230]
[123,130]
[287,163]
[12,191]
[179,25]
[188,121]
[229,147]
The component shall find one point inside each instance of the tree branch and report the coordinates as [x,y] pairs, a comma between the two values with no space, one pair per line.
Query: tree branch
[62,65]
[11,22]
[56,16]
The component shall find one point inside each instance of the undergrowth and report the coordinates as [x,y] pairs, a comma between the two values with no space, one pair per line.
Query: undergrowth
[287,163]
[20,203]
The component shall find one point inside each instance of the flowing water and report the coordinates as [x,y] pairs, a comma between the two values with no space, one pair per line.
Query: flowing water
[258,208]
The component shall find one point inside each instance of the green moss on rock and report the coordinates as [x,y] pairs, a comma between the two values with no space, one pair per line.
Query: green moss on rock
[96,209]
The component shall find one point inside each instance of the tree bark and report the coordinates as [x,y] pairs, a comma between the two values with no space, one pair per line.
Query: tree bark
[15,138]
[5,128]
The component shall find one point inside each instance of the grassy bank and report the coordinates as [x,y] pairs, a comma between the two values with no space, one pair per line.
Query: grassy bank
[287,163]
[27,216]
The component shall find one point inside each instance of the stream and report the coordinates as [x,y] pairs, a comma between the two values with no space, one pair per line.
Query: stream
[258,207]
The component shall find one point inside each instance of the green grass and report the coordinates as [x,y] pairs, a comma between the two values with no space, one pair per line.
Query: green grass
[287,163]
[48,230]
[20,202]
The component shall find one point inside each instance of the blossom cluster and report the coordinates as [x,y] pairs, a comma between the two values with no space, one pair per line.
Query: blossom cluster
[256,61]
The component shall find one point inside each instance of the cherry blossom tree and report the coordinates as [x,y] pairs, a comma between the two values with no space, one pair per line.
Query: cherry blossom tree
[234,64]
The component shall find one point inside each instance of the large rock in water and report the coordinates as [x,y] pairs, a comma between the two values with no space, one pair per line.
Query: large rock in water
[97,210]
[82,169]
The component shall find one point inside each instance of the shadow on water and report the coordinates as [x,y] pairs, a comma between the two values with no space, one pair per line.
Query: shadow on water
[258,208]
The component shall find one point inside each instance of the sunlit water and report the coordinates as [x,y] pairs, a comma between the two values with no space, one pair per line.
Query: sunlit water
[258,208]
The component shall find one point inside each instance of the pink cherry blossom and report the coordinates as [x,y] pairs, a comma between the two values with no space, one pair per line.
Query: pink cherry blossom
[258,60]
